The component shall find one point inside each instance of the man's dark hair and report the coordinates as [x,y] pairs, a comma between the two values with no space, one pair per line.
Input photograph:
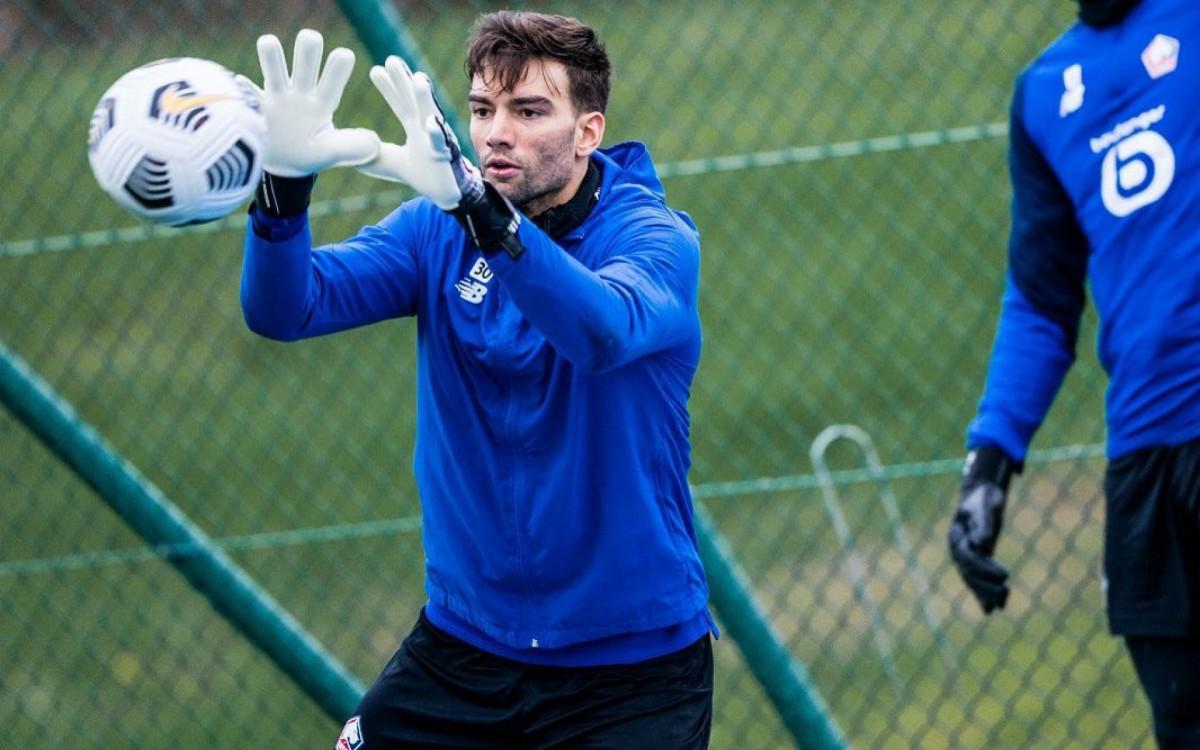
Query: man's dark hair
[1101,13]
[503,43]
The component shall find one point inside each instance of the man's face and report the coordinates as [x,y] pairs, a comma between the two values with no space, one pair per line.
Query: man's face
[527,138]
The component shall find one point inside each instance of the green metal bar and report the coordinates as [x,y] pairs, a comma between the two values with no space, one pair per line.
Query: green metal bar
[785,680]
[840,150]
[144,508]
[263,540]
[383,32]
[666,170]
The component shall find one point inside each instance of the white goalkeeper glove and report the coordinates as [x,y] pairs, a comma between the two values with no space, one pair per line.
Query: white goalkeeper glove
[431,162]
[301,138]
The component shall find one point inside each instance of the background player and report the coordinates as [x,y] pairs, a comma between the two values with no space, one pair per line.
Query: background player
[1105,160]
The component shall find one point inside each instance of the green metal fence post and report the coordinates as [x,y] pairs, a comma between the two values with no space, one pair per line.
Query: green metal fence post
[144,508]
[785,681]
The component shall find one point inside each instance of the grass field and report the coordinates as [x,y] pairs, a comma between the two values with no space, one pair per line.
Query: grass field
[860,289]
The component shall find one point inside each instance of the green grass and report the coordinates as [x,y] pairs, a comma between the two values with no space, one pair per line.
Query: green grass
[859,290]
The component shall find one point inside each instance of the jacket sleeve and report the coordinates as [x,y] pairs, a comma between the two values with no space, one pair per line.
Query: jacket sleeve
[1043,301]
[292,291]
[640,301]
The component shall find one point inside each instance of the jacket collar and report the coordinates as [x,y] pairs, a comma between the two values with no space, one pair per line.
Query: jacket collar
[558,221]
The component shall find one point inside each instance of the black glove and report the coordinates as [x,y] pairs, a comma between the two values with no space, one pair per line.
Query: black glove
[977,522]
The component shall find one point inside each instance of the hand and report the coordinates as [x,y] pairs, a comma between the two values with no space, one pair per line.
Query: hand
[430,161]
[977,522]
[301,138]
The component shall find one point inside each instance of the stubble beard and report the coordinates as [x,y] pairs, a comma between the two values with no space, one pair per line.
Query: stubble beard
[538,183]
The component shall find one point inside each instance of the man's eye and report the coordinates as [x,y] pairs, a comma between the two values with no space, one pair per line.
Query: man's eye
[531,113]
[479,111]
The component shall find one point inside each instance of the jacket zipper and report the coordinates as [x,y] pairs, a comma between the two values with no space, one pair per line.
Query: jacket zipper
[516,487]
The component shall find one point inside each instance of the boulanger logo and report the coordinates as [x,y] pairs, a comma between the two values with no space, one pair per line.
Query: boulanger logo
[1139,164]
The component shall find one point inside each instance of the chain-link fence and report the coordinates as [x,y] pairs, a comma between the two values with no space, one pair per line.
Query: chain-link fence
[845,162]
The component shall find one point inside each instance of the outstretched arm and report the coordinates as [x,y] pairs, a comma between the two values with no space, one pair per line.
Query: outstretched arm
[288,290]
[642,300]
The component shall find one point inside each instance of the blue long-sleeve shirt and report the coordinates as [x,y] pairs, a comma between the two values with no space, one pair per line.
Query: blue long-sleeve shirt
[552,443]
[1104,160]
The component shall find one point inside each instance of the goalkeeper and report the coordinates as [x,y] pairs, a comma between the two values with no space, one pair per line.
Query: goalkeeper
[1105,162]
[557,337]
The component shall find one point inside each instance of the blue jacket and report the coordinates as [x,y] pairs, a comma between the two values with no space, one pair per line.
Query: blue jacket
[552,443]
[1105,161]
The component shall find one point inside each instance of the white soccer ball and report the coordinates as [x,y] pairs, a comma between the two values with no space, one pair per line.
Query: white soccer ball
[178,141]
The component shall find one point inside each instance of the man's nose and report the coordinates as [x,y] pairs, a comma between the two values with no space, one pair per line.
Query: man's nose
[500,134]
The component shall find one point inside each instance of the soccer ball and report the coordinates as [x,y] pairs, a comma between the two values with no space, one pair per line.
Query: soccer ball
[178,141]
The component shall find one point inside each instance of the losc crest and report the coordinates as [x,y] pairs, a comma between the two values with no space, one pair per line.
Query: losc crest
[351,737]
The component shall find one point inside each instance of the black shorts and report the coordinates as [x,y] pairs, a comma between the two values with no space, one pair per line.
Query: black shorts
[439,692]
[1152,541]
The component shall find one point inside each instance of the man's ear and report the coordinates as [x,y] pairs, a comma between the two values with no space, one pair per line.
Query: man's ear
[591,133]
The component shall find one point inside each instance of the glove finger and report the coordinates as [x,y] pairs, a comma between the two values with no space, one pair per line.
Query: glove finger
[396,101]
[1000,599]
[423,93]
[402,81]
[434,128]
[976,568]
[990,597]
[338,68]
[398,67]
[350,147]
[306,60]
[431,111]
[273,64]
[250,86]
[383,83]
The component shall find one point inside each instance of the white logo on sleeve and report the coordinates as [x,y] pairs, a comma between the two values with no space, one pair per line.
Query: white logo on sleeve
[473,286]
[1072,98]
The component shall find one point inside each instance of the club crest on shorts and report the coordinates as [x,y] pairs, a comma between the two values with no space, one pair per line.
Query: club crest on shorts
[351,737]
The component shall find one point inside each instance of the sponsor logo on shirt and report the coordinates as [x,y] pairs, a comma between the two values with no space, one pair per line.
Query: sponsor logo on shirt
[1141,122]
[1139,163]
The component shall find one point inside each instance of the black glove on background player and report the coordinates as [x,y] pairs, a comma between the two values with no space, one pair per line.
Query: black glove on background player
[977,522]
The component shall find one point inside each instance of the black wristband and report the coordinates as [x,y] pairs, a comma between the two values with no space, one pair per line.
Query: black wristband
[989,463]
[491,221]
[284,196]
